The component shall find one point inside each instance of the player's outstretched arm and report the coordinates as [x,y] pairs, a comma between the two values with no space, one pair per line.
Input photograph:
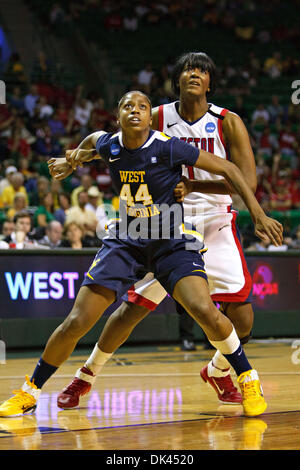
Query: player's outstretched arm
[238,143]
[265,227]
[85,152]
[59,168]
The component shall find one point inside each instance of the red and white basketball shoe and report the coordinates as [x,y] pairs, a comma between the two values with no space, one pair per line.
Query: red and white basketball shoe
[224,387]
[80,386]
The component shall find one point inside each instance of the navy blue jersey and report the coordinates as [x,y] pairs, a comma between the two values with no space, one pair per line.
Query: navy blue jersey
[145,177]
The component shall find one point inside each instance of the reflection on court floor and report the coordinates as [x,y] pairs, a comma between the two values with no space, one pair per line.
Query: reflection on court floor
[156,400]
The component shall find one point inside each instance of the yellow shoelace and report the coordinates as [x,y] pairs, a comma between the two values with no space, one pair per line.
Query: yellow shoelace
[31,384]
[20,397]
[249,388]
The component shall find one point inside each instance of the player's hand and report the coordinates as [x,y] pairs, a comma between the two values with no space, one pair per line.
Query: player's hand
[183,188]
[78,157]
[269,230]
[59,168]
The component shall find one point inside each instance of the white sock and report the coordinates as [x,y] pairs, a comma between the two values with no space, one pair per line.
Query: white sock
[218,366]
[97,360]
[228,345]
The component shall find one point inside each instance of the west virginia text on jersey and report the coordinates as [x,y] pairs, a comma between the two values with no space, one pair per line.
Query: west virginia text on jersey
[146,177]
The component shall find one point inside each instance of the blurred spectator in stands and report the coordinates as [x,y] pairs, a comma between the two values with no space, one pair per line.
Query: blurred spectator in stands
[264,36]
[20,238]
[275,110]
[227,20]
[293,113]
[211,16]
[63,113]
[44,213]
[15,72]
[43,108]
[18,146]
[273,65]
[240,109]
[19,204]
[42,67]
[290,66]
[86,183]
[144,77]
[130,20]
[244,29]
[30,175]
[74,236]
[47,144]
[260,116]
[258,245]
[103,179]
[58,18]
[94,199]
[19,124]
[254,64]
[56,125]
[141,8]
[281,198]
[165,81]
[6,181]
[7,117]
[264,182]
[82,115]
[42,188]
[8,227]
[95,204]
[113,21]
[100,117]
[295,189]
[295,242]
[64,201]
[268,143]
[53,235]
[16,185]
[288,144]
[80,214]
[16,100]
[31,100]
[55,189]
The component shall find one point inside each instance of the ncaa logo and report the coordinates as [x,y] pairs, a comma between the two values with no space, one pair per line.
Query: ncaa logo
[210,127]
[115,149]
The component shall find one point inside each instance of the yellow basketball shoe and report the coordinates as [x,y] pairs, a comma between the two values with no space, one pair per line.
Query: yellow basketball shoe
[24,400]
[253,399]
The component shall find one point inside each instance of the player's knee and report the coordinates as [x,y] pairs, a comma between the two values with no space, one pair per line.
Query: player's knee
[243,327]
[130,314]
[74,325]
[204,313]
[245,339]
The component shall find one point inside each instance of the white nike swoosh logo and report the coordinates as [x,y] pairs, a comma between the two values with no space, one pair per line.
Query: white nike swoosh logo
[218,388]
[114,160]
[200,266]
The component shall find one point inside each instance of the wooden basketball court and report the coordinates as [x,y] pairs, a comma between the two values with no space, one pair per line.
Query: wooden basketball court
[155,400]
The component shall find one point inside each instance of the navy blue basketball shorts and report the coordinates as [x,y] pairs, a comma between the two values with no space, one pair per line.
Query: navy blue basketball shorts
[120,263]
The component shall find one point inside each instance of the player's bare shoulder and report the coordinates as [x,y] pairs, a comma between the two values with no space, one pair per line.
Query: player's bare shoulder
[154,124]
[233,126]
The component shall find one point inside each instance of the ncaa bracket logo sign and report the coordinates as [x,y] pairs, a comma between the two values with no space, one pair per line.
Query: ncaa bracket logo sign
[2,92]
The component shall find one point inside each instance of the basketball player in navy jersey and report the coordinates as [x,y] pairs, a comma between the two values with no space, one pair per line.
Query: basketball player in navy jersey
[145,166]
[208,207]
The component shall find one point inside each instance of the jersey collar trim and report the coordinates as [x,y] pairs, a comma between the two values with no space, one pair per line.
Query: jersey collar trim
[176,104]
[148,142]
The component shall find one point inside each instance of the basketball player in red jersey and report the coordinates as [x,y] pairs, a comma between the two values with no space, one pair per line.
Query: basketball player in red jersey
[208,207]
